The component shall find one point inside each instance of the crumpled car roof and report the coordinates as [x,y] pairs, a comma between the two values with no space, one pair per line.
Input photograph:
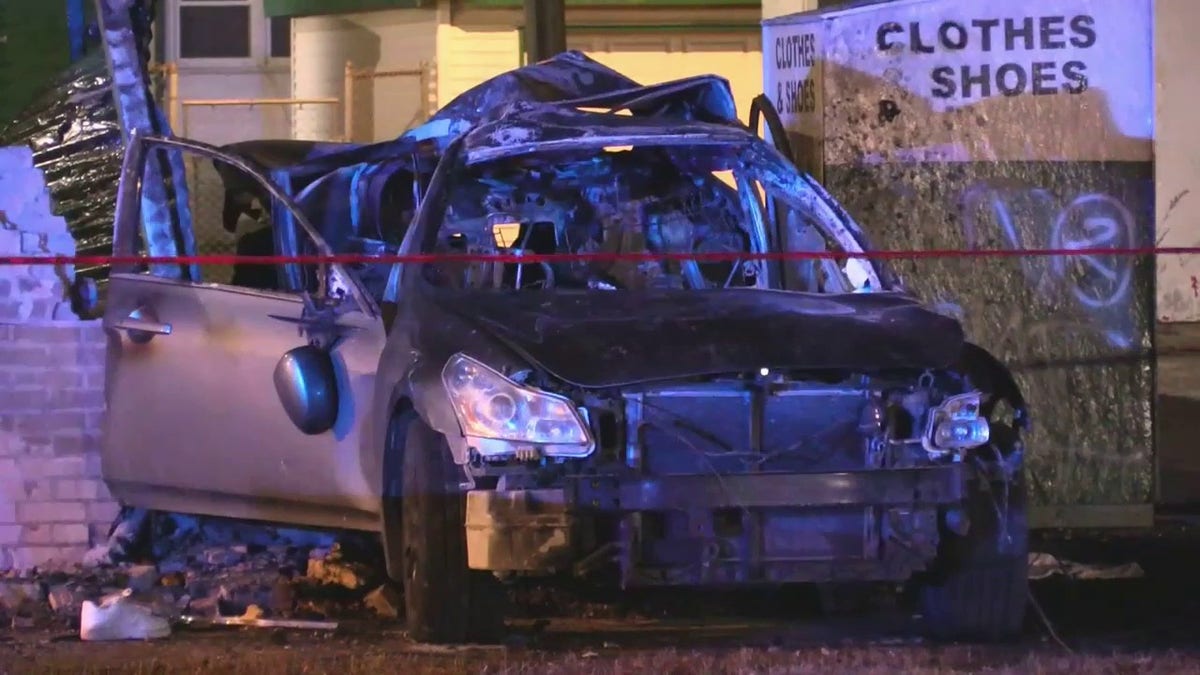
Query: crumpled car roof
[568,102]
[568,81]
[545,98]
[572,80]
[549,127]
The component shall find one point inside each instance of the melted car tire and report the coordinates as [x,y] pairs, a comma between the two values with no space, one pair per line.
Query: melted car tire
[444,601]
[978,589]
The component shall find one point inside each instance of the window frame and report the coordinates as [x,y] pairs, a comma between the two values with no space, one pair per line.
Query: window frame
[269,40]
[260,38]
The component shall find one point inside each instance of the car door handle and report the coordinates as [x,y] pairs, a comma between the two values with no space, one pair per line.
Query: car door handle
[141,324]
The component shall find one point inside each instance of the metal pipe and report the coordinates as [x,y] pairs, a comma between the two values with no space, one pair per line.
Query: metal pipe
[248,102]
[251,102]
[348,103]
[368,74]
[173,96]
[545,29]
[423,83]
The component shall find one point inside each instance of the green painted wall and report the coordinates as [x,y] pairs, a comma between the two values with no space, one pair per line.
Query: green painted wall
[628,3]
[311,7]
[33,49]
[315,7]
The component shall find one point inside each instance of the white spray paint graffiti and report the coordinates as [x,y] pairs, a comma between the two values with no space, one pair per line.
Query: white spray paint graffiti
[999,215]
[1095,221]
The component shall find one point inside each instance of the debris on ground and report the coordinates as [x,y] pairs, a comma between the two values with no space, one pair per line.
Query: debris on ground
[384,602]
[332,567]
[208,570]
[121,617]
[1044,566]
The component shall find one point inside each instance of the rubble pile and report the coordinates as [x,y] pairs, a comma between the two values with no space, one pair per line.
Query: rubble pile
[188,569]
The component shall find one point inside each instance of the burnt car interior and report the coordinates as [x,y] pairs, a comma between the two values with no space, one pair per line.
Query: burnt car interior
[620,201]
[644,200]
[382,204]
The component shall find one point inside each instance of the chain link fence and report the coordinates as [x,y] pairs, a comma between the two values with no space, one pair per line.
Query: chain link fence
[383,104]
[206,200]
[376,105]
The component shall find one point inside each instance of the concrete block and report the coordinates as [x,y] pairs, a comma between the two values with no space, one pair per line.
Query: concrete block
[70,534]
[61,243]
[33,243]
[103,512]
[37,535]
[42,512]
[84,490]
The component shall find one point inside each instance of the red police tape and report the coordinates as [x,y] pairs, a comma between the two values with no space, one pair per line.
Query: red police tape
[722,256]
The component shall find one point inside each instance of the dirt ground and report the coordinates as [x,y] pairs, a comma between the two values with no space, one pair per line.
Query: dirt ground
[389,653]
[1149,624]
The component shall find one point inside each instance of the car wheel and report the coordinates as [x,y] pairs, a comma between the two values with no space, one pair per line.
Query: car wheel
[979,586]
[444,601]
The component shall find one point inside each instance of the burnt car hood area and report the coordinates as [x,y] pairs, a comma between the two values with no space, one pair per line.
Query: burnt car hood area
[595,339]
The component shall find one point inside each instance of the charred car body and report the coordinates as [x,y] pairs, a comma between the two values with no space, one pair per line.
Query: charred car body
[594,365]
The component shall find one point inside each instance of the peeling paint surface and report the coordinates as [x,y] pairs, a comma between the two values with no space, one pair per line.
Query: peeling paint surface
[943,125]
[1177,159]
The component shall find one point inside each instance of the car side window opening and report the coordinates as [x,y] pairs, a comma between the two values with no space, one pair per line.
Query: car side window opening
[364,210]
[620,207]
[246,216]
[235,214]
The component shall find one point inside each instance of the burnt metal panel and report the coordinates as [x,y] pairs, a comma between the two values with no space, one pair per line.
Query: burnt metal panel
[894,487]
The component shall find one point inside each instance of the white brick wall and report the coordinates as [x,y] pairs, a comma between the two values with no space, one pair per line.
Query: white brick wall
[53,505]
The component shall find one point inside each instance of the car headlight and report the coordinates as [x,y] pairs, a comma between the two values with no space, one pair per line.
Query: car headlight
[957,425]
[491,407]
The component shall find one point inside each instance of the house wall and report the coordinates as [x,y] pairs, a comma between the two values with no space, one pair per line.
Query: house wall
[1176,147]
[396,44]
[258,76]
[774,8]
[649,44]
[53,505]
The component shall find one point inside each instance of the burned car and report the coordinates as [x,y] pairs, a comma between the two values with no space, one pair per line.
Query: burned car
[594,356]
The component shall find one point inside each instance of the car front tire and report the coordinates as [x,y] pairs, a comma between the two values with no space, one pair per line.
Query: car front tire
[444,601]
[979,587]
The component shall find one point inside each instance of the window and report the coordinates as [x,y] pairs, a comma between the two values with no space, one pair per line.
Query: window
[281,37]
[215,29]
[228,30]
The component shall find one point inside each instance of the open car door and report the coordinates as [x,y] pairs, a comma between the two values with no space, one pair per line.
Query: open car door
[233,400]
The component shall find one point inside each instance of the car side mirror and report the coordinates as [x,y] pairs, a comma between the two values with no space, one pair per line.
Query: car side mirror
[306,383]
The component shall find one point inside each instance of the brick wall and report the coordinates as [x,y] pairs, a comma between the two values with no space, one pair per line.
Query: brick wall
[53,505]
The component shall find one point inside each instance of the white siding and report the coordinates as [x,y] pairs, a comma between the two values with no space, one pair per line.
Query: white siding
[774,8]
[658,56]
[229,124]
[255,77]
[468,55]
[383,42]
